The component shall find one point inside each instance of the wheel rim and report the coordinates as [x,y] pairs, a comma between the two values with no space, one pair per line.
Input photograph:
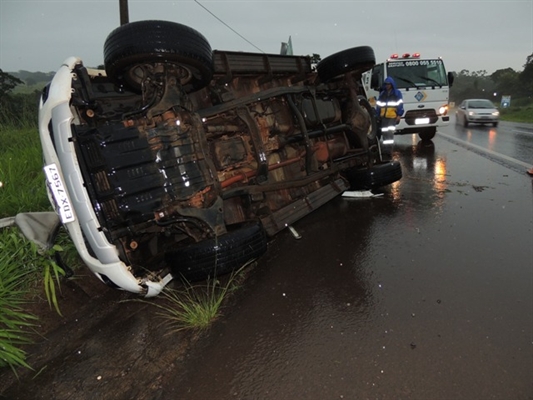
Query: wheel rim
[137,74]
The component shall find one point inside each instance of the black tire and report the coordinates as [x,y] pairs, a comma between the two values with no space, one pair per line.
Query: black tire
[359,59]
[495,124]
[465,122]
[131,48]
[214,257]
[374,177]
[427,134]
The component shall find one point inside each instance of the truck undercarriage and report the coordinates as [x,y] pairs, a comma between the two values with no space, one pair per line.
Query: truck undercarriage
[193,158]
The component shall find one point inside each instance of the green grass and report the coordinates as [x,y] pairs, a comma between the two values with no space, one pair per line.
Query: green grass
[30,89]
[22,263]
[24,267]
[15,274]
[22,179]
[194,306]
[517,114]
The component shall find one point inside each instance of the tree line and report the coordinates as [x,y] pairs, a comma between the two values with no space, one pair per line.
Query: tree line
[503,82]
[17,109]
[20,108]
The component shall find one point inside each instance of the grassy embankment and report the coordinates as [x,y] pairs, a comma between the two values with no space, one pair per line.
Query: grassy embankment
[518,113]
[22,265]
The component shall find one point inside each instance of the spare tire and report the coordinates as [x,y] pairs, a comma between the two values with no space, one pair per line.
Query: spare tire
[359,59]
[133,47]
[374,177]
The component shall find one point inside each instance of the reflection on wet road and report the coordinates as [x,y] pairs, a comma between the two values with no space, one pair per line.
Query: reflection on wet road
[425,292]
[511,139]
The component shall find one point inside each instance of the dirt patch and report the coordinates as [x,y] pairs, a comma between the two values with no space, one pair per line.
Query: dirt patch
[74,294]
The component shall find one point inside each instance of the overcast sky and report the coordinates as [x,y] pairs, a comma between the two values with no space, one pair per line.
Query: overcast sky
[39,35]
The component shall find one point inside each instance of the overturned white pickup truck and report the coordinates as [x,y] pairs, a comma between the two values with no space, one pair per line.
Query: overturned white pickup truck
[176,160]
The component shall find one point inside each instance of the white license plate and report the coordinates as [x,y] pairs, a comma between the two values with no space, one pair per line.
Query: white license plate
[59,193]
[421,121]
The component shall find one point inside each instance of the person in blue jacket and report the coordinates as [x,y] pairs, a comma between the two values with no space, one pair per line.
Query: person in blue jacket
[389,109]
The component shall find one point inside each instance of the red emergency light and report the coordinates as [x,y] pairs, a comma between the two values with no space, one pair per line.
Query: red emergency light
[405,55]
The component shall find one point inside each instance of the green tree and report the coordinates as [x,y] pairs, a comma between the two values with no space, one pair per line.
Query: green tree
[506,81]
[16,109]
[526,78]
[475,84]
[7,83]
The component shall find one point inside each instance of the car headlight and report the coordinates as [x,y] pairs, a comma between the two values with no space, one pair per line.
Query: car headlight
[471,113]
[496,113]
[443,110]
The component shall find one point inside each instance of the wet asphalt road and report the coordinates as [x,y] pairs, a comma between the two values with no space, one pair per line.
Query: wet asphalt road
[425,292]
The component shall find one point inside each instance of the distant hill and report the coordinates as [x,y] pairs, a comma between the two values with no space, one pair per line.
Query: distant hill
[33,81]
[31,78]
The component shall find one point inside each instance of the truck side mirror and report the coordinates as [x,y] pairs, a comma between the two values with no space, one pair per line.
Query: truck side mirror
[374,82]
[450,79]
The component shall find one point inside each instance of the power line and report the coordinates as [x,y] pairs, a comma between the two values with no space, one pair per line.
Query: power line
[201,5]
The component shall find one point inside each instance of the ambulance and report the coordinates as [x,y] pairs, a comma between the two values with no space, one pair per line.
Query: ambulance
[425,86]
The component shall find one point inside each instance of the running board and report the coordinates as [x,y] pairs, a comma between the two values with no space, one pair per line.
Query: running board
[293,212]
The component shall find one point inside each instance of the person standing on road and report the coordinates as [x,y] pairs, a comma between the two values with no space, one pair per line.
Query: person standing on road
[389,109]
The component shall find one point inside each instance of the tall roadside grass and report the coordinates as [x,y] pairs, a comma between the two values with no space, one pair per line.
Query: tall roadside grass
[22,178]
[195,306]
[14,321]
[25,271]
[22,263]
[517,114]
[19,110]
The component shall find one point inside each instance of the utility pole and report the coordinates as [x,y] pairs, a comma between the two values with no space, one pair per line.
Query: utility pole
[124,17]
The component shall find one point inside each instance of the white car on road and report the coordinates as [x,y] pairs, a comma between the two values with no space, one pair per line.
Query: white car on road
[477,111]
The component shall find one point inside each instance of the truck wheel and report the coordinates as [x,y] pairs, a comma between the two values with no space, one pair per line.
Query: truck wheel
[131,49]
[218,256]
[427,134]
[374,177]
[360,58]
